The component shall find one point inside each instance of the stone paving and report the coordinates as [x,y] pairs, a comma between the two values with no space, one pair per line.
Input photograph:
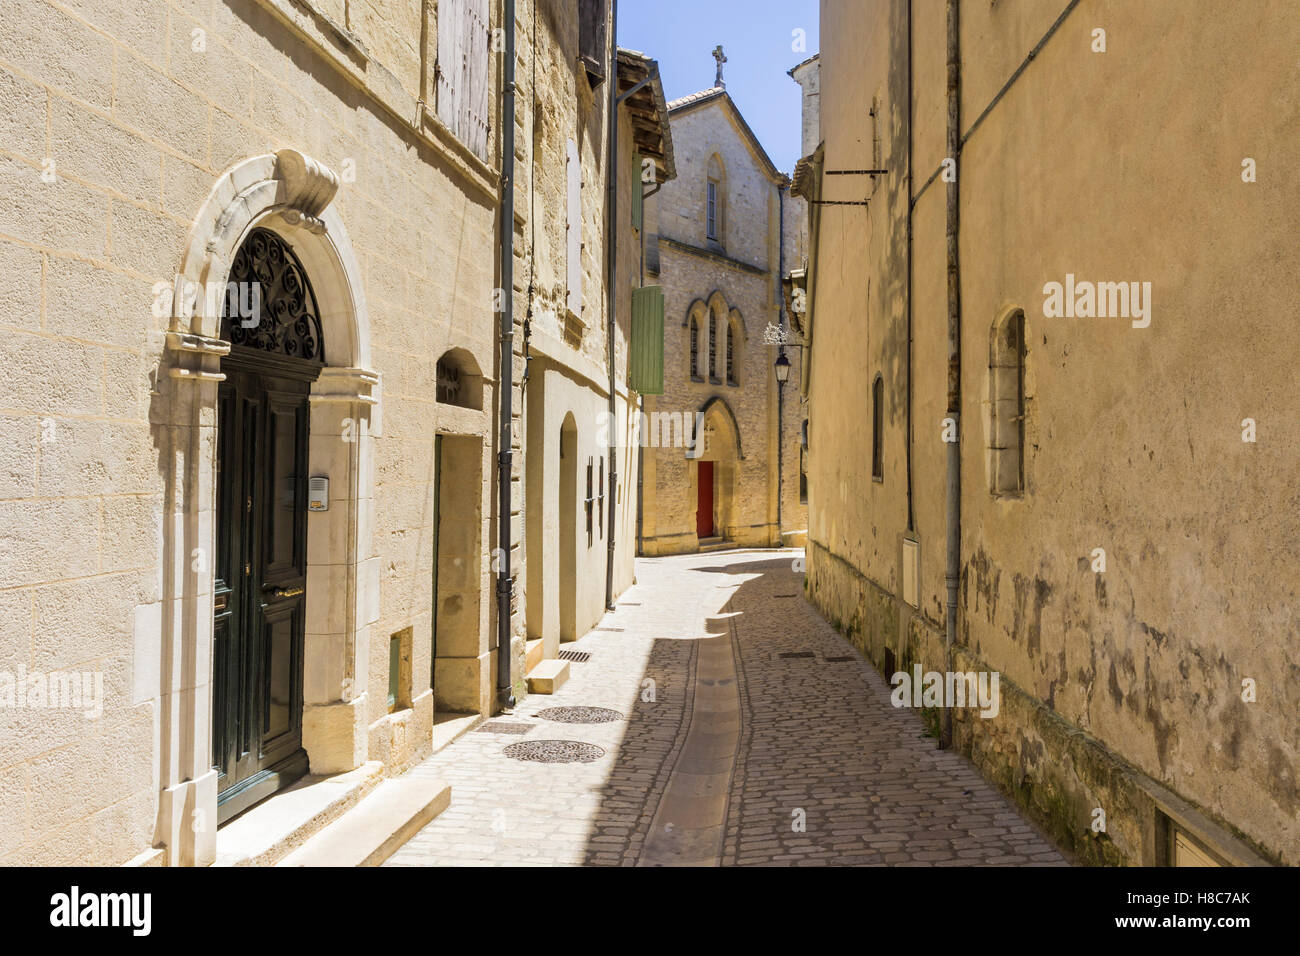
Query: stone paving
[728,753]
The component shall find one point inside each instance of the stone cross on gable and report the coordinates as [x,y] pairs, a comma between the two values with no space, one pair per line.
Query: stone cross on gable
[721,58]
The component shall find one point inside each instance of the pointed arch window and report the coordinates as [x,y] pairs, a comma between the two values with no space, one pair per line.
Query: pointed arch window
[694,371]
[732,332]
[713,347]
[715,201]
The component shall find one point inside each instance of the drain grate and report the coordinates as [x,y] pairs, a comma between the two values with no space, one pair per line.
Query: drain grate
[554,751]
[504,727]
[785,595]
[840,660]
[791,655]
[619,629]
[580,715]
[580,657]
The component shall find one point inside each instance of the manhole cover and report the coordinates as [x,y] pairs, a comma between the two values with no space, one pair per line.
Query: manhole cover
[580,657]
[504,727]
[791,655]
[554,751]
[580,715]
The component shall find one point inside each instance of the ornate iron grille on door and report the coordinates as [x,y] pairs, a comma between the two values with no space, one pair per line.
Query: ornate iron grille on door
[269,303]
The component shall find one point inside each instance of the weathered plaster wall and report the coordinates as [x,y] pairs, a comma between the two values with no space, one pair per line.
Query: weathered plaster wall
[1133,435]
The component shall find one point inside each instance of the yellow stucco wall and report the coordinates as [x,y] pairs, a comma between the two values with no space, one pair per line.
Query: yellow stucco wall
[1116,166]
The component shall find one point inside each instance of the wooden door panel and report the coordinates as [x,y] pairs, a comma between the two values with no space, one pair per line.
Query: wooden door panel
[704,508]
[258,608]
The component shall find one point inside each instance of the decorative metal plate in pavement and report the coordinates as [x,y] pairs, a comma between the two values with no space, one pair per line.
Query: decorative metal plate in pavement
[554,751]
[579,715]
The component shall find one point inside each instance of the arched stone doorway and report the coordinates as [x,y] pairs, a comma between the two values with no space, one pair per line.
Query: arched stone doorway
[714,469]
[568,530]
[285,196]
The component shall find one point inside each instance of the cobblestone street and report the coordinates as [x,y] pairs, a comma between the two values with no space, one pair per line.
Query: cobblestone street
[749,732]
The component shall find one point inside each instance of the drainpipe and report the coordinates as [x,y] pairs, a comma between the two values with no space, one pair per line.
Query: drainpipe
[953,571]
[611,292]
[505,380]
[911,204]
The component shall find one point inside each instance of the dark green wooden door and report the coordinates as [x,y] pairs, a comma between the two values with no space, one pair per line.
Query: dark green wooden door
[261,579]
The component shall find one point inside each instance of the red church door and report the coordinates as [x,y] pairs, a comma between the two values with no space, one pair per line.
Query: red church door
[704,511]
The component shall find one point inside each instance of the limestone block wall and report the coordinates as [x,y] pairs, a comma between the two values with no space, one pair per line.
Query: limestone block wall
[569,367]
[132,120]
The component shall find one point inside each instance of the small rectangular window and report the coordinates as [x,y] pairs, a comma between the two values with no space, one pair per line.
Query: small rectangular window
[1007,402]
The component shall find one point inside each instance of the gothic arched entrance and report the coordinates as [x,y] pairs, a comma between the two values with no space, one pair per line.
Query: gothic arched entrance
[260,576]
[717,454]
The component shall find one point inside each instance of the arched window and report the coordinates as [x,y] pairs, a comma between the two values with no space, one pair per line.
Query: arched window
[458,380]
[1007,405]
[732,331]
[715,202]
[713,347]
[694,371]
[878,428]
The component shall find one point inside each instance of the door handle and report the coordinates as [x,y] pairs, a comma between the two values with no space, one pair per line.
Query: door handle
[286,592]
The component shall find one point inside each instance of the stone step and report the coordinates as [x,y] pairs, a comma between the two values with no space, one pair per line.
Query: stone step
[372,831]
[715,544]
[279,825]
[533,654]
[548,677]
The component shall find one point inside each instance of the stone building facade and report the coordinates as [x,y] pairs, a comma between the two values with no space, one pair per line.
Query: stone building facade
[340,166]
[1127,538]
[716,473]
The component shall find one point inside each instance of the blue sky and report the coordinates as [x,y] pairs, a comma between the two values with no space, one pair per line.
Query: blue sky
[757,36]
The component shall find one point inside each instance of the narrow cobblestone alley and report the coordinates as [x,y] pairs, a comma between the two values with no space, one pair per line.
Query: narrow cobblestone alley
[748,732]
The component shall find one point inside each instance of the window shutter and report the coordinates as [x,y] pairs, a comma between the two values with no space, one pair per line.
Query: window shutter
[464,58]
[451,64]
[574,219]
[592,18]
[637,187]
[474,97]
[646,368]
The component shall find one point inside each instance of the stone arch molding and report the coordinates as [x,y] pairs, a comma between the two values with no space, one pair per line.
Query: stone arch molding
[717,409]
[288,193]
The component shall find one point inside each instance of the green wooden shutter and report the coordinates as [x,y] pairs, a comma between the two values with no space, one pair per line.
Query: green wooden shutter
[646,369]
[637,199]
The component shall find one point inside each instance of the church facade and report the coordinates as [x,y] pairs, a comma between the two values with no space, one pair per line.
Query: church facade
[723,440]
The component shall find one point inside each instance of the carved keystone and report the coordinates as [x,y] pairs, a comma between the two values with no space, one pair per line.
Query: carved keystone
[309,185]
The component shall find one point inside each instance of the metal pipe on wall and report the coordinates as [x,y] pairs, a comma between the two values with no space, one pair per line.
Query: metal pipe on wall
[611,292]
[953,481]
[505,378]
